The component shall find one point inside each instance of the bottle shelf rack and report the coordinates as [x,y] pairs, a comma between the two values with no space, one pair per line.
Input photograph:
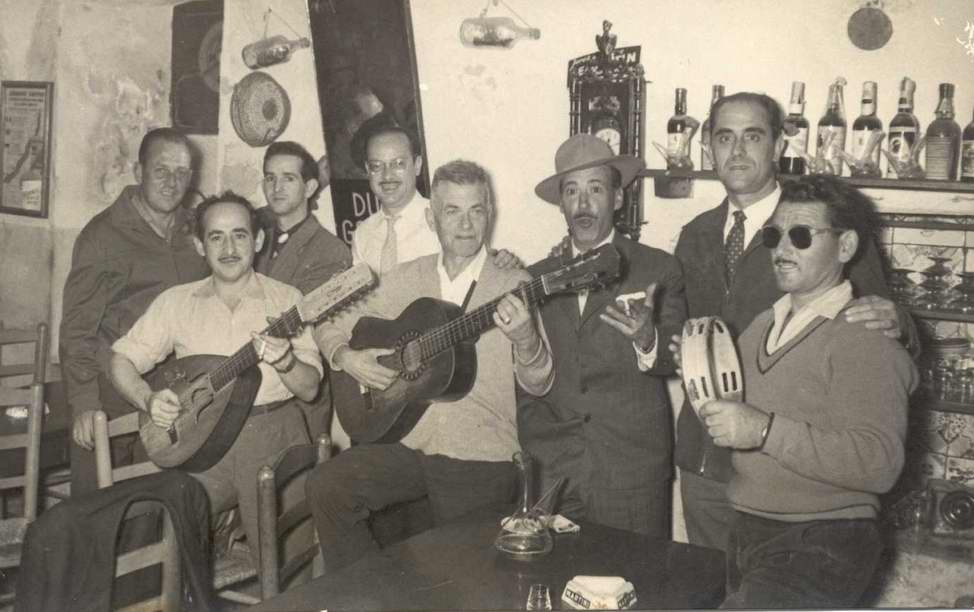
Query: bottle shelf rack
[861,182]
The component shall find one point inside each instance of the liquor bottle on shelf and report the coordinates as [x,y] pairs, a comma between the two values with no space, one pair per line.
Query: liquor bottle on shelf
[706,161]
[943,139]
[679,130]
[865,125]
[904,128]
[270,51]
[967,154]
[796,133]
[832,128]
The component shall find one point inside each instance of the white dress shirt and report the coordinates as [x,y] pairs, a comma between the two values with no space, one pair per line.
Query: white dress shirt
[456,290]
[757,214]
[644,361]
[827,305]
[414,238]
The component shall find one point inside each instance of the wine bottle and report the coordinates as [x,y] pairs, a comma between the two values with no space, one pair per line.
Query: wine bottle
[943,139]
[706,162]
[832,128]
[904,127]
[678,132]
[967,154]
[865,124]
[494,32]
[270,51]
[796,133]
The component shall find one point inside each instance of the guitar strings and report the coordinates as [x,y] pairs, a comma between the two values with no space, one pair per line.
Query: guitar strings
[232,366]
[438,339]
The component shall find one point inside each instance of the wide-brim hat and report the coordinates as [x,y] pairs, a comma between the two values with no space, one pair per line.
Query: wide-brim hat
[583,151]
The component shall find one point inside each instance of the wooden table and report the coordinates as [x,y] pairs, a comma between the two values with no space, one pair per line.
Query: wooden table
[55,435]
[455,567]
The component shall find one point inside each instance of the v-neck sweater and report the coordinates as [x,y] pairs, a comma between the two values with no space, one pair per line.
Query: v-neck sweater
[840,396]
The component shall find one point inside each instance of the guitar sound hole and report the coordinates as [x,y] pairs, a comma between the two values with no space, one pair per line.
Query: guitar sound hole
[412,358]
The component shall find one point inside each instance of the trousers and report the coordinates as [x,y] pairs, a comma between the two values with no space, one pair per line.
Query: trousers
[344,491]
[812,564]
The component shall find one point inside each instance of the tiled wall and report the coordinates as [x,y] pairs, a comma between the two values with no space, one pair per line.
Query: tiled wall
[941,444]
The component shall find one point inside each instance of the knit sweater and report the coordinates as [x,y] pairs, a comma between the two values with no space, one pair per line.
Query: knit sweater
[480,426]
[839,393]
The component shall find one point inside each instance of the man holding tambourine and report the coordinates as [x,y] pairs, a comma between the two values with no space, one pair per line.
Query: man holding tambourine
[821,433]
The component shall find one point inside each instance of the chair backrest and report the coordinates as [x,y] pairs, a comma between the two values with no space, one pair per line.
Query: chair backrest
[14,342]
[165,551]
[274,523]
[26,437]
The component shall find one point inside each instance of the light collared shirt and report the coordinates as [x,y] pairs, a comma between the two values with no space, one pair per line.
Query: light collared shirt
[191,319]
[827,305]
[456,290]
[757,214]
[644,361]
[414,238]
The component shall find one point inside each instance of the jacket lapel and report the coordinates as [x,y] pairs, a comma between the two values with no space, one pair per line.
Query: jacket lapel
[600,298]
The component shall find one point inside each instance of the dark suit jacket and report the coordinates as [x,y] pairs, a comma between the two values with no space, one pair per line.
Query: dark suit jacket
[309,259]
[605,425]
[700,250]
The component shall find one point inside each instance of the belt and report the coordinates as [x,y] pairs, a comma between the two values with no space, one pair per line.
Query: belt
[268,408]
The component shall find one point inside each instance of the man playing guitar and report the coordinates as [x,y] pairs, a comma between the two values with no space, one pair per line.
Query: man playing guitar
[215,316]
[459,453]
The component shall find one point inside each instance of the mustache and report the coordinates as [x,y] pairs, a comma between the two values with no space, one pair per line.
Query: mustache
[578,216]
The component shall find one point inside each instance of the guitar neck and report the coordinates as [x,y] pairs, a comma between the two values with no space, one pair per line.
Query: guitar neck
[246,357]
[470,325]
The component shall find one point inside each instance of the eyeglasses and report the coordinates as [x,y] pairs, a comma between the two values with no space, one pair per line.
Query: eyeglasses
[397,165]
[799,235]
[164,175]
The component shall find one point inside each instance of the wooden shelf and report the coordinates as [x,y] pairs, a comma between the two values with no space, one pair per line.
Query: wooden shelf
[864,183]
[942,315]
[931,403]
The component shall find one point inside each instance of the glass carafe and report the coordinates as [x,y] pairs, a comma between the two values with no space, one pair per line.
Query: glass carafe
[524,535]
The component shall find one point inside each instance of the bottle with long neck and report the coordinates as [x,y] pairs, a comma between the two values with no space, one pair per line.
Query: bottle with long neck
[678,131]
[943,139]
[903,127]
[967,154]
[494,32]
[865,125]
[796,133]
[832,128]
[270,51]
[706,162]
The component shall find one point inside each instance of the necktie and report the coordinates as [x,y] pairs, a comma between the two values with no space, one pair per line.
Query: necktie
[389,257]
[735,245]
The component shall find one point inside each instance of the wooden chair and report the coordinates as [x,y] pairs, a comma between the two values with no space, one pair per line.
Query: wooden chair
[166,550]
[275,523]
[24,372]
[12,529]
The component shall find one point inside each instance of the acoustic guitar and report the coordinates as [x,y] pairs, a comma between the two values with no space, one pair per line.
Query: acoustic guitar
[217,392]
[434,349]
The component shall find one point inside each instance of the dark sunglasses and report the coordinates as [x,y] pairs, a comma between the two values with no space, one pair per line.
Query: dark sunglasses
[799,235]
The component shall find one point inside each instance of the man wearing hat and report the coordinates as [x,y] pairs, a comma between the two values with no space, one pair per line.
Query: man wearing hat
[606,424]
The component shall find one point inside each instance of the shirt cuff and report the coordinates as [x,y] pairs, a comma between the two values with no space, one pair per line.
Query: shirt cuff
[646,360]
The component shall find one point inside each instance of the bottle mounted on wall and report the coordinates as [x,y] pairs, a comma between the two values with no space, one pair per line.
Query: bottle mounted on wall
[678,133]
[494,32]
[270,51]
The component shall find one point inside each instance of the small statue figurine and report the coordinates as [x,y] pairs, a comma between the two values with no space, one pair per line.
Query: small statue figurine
[606,42]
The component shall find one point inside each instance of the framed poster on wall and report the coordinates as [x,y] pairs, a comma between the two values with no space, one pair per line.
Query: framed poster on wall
[25,147]
[365,63]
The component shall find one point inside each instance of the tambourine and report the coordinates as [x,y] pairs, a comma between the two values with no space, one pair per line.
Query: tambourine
[711,368]
[259,109]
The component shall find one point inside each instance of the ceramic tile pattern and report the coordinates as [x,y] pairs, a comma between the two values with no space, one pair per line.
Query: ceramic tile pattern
[941,444]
